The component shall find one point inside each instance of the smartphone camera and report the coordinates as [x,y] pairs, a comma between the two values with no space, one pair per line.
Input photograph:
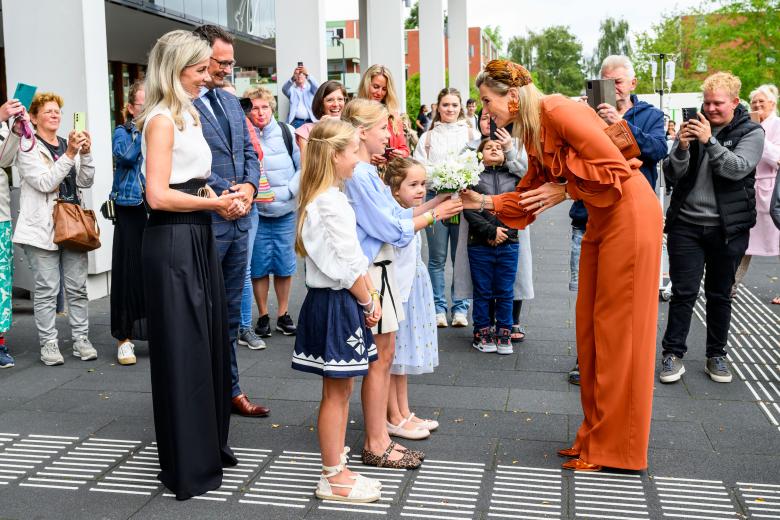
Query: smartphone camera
[389,153]
[246,105]
[690,113]
[493,129]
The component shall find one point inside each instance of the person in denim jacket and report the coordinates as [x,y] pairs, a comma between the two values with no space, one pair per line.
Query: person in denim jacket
[128,312]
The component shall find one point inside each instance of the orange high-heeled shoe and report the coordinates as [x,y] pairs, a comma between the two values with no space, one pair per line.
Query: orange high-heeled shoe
[580,465]
[568,452]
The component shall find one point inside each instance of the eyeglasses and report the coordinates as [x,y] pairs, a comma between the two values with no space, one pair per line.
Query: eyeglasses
[227,64]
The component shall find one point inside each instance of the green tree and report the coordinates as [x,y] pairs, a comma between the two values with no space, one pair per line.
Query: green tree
[743,37]
[554,57]
[494,34]
[614,39]
[672,35]
[413,96]
[413,20]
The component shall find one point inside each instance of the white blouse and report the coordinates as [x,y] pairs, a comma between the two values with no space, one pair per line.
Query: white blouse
[334,258]
[191,153]
[445,139]
[406,267]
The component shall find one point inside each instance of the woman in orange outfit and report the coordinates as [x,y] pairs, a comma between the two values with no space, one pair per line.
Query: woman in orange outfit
[570,155]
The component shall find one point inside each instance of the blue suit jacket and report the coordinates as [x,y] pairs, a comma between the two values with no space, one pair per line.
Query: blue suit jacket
[233,162]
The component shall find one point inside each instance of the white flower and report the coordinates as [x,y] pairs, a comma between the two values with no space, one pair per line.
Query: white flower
[457,172]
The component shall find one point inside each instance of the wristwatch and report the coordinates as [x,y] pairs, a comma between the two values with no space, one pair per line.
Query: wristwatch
[711,141]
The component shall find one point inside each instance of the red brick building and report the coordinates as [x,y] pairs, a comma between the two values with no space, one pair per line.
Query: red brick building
[481,50]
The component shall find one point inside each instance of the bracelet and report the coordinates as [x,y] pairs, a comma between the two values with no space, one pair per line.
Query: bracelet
[375,295]
[433,214]
[482,204]
[370,310]
[366,303]
[429,218]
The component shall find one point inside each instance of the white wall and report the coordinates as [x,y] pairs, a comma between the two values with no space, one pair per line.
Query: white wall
[431,17]
[458,36]
[385,25]
[70,60]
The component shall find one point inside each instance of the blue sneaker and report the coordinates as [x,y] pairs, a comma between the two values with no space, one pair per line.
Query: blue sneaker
[6,361]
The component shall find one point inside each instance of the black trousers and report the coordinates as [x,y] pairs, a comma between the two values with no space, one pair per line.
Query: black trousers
[692,248]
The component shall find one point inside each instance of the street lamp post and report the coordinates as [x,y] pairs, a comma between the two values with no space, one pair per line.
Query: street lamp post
[337,40]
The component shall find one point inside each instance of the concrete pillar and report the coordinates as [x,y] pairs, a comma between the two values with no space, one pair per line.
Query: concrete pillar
[69,58]
[300,36]
[458,58]
[365,36]
[431,14]
[385,23]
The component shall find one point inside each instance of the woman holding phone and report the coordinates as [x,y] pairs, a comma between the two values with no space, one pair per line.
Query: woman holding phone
[377,85]
[55,169]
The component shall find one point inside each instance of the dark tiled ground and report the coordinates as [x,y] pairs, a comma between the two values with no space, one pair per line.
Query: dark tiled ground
[494,411]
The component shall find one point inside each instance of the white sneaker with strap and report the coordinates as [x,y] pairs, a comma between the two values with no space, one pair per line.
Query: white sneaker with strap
[425,424]
[361,491]
[398,430]
[345,460]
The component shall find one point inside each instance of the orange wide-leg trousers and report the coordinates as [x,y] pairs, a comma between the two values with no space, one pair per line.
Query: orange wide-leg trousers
[617,314]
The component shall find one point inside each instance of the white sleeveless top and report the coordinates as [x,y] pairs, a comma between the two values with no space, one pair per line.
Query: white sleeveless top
[191,153]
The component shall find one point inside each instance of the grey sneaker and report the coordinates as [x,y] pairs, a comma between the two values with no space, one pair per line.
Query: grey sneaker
[672,369]
[483,341]
[50,353]
[504,342]
[251,340]
[718,369]
[82,348]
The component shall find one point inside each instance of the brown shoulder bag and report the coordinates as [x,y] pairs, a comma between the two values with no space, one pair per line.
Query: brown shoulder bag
[75,228]
[621,135]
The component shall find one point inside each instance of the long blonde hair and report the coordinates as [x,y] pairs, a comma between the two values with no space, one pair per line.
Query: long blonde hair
[173,52]
[528,121]
[365,113]
[449,91]
[391,99]
[318,172]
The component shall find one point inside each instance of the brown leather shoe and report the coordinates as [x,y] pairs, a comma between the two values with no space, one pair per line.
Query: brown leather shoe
[569,452]
[242,406]
[580,465]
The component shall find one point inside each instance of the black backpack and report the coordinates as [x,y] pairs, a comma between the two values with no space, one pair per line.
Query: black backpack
[288,140]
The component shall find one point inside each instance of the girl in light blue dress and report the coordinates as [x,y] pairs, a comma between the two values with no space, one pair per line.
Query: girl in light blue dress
[416,344]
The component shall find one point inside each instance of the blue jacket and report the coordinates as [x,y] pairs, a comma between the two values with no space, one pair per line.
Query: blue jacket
[647,124]
[233,162]
[293,94]
[283,172]
[128,179]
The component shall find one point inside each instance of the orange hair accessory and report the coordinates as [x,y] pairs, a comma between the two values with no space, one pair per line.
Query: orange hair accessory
[508,73]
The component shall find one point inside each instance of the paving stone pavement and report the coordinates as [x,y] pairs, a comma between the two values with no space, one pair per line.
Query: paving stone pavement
[77,441]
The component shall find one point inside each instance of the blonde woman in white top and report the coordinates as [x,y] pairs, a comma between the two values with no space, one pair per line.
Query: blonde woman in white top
[334,336]
[449,135]
[185,294]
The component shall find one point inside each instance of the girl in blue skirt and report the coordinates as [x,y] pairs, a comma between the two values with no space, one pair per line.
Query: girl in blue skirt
[334,337]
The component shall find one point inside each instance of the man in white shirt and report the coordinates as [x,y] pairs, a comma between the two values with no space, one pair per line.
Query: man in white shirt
[300,90]
[471,113]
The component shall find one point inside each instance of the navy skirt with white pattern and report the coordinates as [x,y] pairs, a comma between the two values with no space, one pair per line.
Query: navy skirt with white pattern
[332,339]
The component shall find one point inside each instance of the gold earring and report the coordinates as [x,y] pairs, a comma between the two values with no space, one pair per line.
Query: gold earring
[514,107]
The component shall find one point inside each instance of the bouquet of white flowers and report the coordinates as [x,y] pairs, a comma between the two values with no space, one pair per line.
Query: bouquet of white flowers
[456,173]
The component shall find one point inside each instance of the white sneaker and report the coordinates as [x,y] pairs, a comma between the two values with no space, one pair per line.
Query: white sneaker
[50,354]
[82,348]
[441,320]
[125,354]
[459,320]
[361,491]
[425,424]
[415,434]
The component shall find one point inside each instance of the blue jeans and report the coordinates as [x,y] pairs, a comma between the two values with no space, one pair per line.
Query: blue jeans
[493,271]
[297,123]
[247,296]
[574,258]
[232,250]
[439,237]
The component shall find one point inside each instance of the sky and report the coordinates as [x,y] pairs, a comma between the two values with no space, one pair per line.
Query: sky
[517,17]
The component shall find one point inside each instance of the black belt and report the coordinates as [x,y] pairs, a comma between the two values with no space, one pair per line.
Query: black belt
[385,283]
[195,187]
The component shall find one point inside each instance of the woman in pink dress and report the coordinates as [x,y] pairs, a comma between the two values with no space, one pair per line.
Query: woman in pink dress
[764,237]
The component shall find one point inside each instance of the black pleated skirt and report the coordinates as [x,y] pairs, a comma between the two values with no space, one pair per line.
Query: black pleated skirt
[189,351]
[128,308]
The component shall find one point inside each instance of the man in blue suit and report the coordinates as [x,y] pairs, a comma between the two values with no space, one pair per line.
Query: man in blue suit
[234,167]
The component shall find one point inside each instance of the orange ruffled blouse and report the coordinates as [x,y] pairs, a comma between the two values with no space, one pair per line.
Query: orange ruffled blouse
[576,150]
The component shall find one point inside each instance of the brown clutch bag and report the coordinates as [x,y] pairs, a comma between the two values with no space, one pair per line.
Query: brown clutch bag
[621,135]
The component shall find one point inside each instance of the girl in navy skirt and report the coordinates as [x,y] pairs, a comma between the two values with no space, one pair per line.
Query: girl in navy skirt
[334,337]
